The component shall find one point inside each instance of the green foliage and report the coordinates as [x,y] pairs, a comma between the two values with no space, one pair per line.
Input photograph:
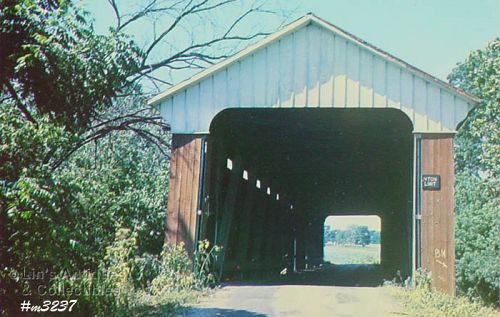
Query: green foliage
[175,271]
[477,177]
[477,238]
[478,139]
[53,62]
[116,289]
[359,235]
[121,179]
[423,301]
[374,236]
[423,280]
[204,261]
[25,148]
[69,217]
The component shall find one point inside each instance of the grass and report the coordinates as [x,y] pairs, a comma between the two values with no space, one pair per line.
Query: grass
[422,302]
[352,254]
[166,304]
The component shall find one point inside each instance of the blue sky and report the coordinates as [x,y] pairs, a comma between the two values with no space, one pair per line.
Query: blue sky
[430,34]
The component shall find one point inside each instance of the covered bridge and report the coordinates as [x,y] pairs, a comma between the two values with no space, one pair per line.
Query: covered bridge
[312,121]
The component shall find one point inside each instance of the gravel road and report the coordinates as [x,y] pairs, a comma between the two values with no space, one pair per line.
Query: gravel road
[298,300]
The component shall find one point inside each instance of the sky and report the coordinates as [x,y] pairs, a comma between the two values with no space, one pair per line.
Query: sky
[343,222]
[432,35]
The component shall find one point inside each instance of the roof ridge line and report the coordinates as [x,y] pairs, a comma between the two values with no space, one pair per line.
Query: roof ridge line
[291,27]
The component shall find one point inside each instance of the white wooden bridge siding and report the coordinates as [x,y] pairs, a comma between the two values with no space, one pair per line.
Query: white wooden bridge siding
[312,67]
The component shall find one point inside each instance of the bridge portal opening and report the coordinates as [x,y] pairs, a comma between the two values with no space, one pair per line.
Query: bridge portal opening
[352,240]
[274,175]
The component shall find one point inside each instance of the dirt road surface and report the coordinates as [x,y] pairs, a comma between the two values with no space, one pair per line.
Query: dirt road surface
[298,300]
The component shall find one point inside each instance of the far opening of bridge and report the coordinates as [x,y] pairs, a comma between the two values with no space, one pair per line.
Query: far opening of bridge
[352,240]
[274,175]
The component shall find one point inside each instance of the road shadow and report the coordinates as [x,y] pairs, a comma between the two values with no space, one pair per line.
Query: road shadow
[356,275]
[220,312]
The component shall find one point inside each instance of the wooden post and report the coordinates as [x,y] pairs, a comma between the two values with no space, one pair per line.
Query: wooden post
[438,247]
[183,190]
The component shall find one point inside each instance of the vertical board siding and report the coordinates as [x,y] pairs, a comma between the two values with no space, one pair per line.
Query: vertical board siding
[300,70]
[379,83]
[273,75]
[183,190]
[218,89]
[326,69]
[315,67]
[447,109]
[419,104]
[259,87]
[339,67]
[314,64]
[185,197]
[438,248]
[433,108]
[193,111]
[407,96]
[286,71]
[393,86]
[366,79]
[233,88]
[353,61]
[173,195]
[246,79]
[461,109]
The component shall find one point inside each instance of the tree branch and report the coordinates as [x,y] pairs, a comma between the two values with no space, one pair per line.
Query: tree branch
[19,103]
[122,123]
[146,69]
[117,14]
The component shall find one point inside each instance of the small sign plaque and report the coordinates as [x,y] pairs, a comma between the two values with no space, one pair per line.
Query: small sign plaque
[431,182]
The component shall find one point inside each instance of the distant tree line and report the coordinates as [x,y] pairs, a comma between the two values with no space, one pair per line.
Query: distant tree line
[358,235]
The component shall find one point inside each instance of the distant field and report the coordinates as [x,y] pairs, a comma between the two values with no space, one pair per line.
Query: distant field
[343,254]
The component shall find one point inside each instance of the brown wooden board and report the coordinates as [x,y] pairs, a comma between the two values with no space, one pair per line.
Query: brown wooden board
[438,247]
[173,195]
[183,190]
[183,223]
[196,165]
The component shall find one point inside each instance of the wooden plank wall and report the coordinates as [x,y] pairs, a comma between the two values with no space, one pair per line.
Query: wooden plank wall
[438,246]
[183,190]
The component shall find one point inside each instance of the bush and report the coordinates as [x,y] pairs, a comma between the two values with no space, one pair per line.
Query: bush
[477,239]
[422,301]
[477,184]
[175,271]
[127,284]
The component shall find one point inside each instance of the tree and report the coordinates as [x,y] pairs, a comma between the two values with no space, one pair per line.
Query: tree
[361,235]
[188,35]
[329,235]
[477,186]
[374,236]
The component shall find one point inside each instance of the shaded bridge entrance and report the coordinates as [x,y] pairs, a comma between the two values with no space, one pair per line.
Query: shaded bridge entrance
[289,169]
[331,124]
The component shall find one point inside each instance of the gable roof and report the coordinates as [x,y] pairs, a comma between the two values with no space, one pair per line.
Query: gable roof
[294,26]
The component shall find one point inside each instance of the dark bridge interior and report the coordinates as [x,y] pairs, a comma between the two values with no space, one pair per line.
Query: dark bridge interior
[310,163]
